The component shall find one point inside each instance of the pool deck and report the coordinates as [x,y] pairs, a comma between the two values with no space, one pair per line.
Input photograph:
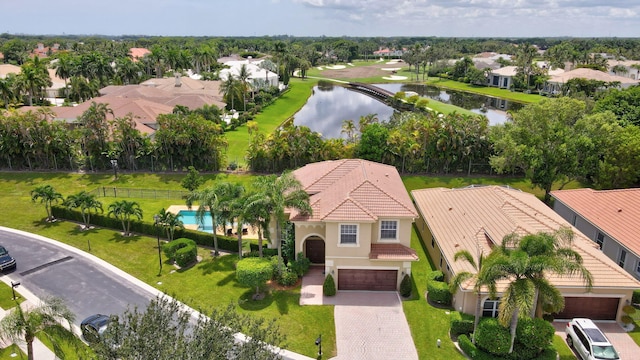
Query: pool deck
[175,209]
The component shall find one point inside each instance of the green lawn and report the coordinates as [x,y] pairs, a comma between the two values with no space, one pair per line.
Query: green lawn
[564,352]
[6,353]
[270,118]
[485,90]
[6,297]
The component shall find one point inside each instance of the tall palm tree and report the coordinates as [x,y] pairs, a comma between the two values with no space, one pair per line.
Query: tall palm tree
[33,79]
[257,215]
[243,76]
[64,68]
[25,324]
[349,128]
[279,194]
[477,278]
[124,210]
[47,195]
[210,199]
[230,88]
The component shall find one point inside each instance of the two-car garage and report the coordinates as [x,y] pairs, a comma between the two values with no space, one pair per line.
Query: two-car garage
[594,308]
[373,280]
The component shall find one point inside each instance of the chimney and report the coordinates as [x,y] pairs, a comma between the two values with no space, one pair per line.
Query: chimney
[178,82]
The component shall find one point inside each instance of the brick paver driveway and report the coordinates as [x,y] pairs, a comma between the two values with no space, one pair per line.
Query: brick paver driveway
[372,326]
[620,339]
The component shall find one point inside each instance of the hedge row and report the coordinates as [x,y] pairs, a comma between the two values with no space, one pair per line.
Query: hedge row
[201,238]
[438,289]
[461,323]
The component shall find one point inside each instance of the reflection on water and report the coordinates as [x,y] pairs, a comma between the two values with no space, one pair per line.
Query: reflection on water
[493,108]
[330,104]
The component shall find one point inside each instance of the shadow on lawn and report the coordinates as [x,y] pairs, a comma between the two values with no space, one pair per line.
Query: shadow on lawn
[246,301]
[219,263]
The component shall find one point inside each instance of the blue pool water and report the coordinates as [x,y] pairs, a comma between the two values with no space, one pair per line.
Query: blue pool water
[189,217]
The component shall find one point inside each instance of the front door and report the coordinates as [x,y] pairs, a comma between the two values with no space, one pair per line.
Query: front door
[314,250]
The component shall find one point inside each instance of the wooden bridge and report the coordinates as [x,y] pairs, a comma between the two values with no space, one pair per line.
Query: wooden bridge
[370,90]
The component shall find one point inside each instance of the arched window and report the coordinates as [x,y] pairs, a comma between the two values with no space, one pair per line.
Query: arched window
[490,308]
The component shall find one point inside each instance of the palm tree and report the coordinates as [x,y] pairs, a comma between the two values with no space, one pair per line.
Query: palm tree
[123,210]
[348,128]
[47,195]
[230,88]
[33,78]
[87,203]
[170,222]
[525,262]
[243,76]
[280,194]
[211,199]
[464,276]
[64,67]
[24,324]
[257,215]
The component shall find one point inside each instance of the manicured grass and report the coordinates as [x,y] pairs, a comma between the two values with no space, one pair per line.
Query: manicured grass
[564,352]
[5,354]
[270,118]
[485,90]
[6,297]
[73,350]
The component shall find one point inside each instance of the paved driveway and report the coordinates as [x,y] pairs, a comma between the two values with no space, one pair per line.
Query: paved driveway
[624,344]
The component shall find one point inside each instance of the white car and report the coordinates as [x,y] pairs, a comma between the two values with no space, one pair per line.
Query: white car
[588,341]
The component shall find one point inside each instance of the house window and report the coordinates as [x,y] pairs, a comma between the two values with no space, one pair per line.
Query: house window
[440,261]
[490,308]
[388,230]
[600,239]
[433,242]
[505,82]
[638,267]
[622,258]
[348,234]
[574,219]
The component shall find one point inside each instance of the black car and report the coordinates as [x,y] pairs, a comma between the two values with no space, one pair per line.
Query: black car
[7,263]
[93,327]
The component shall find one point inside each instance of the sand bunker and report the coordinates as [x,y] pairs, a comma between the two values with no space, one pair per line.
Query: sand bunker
[335,67]
[395,77]
[393,62]
[390,69]
[319,68]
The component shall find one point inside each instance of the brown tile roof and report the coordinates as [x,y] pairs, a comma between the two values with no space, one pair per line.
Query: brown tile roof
[6,69]
[137,53]
[354,190]
[394,252]
[615,212]
[475,218]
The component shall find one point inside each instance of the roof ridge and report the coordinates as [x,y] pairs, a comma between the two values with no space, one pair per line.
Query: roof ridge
[525,205]
[337,164]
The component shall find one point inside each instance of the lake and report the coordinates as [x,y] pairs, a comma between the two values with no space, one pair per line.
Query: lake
[330,104]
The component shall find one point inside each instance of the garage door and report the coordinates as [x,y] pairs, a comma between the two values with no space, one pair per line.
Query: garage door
[593,308]
[376,280]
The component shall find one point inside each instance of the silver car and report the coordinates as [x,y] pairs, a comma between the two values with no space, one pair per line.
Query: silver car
[588,341]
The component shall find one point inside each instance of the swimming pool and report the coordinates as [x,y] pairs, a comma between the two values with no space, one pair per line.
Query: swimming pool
[189,217]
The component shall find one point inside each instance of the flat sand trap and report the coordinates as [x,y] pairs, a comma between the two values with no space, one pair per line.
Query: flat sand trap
[393,62]
[350,64]
[319,68]
[395,77]
[390,69]
[335,67]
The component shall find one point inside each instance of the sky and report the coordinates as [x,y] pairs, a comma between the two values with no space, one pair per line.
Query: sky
[332,18]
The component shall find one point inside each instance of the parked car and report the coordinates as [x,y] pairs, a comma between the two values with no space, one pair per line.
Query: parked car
[7,262]
[588,341]
[93,327]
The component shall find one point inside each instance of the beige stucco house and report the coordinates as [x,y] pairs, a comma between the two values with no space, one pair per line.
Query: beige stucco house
[360,229]
[477,218]
[609,218]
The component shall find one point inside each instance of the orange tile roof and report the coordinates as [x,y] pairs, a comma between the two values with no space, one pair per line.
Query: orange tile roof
[394,252]
[615,212]
[137,53]
[476,218]
[353,190]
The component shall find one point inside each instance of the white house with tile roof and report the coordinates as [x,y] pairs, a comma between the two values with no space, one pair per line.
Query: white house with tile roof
[478,218]
[609,218]
[360,228]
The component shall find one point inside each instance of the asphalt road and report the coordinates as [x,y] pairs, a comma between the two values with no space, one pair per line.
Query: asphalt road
[87,287]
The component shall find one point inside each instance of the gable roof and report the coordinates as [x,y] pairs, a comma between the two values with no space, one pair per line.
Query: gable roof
[505,71]
[6,69]
[353,190]
[615,212]
[476,218]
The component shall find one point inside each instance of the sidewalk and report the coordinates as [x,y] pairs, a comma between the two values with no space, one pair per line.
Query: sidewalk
[40,351]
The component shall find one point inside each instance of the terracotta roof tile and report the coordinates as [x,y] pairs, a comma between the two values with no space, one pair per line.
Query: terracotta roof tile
[355,190]
[615,212]
[395,252]
[472,218]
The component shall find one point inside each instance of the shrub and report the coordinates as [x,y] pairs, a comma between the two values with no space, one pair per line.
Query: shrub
[493,337]
[436,275]
[287,278]
[636,296]
[329,286]
[626,319]
[405,286]
[187,255]
[439,292]
[301,265]
[254,272]
[170,249]
[461,323]
[629,310]
[535,334]
[467,346]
